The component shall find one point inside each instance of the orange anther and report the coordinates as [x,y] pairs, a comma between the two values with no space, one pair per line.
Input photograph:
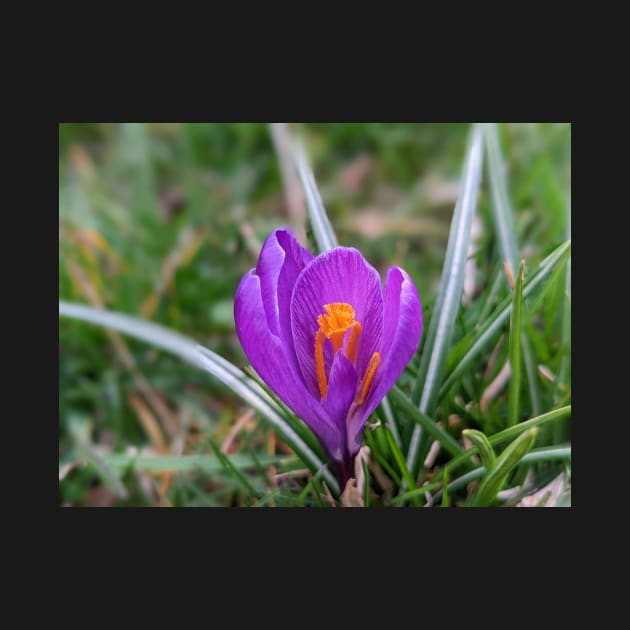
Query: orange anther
[333,325]
[369,376]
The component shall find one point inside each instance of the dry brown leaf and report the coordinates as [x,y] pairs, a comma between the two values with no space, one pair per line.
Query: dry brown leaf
[376,222]
[546,373]
[383,480]
[507,269]
[547,496]
[148,421]
[352,495]
[355,173]
[234,431]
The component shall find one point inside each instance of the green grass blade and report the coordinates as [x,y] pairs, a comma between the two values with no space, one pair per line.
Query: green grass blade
[322,228]
[432,429]
[234,471]
[378,451]
[501,207]
[546,454]
[445,486]
[506,435]
[506,233]
[390,420]
[551,416]
[110,477]
[536,455]
[484,448]
[563,379]
[105,471]
[438,339]
[191,352]
[367,484]
[186,463]
[485,333]
[307,488]
[531,372]
[399,457]
[514,348]
[495,288]
[504,465]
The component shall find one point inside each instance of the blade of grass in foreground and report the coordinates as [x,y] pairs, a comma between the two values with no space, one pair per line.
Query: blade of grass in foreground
[322,229]
[511,432]
[240,478]
[220,368]
[484,334]
[515,349]
[503,466]
[109,476]
[431,428]
[436,346]
[484,448]
[185,463]
[546,454]
[562,380]
[506,233]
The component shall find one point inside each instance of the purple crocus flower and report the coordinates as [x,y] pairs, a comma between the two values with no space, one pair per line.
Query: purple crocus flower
[326,338]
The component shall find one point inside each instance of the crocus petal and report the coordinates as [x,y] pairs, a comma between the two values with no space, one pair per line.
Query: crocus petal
[401,336]
[269,357]
[342,384]
[280,262]
[339,275]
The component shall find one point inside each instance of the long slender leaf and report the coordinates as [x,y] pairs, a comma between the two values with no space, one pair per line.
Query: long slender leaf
[484,448]
[399,458]
[233,470]
[531,371]
[536,455]
[390,420]
[556,415]
[495,287]
[514,345]
[506,232]
[191,352]
[485,333]
[111,478]
[185,463]
[377,452]
[504,465]
[432,429]
[449,297]
[322,229]
[307,488]
[501,207]
[445,486]
[547,454]
[562,379]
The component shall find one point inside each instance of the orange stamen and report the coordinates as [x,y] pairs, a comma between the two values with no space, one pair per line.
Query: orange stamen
[320,337]
[353,342]
[369,376]
[333,325]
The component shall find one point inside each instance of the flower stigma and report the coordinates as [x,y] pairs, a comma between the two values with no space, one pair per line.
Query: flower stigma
[334,325]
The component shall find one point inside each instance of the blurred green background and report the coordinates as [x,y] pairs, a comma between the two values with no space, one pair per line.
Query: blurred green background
[161,220]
